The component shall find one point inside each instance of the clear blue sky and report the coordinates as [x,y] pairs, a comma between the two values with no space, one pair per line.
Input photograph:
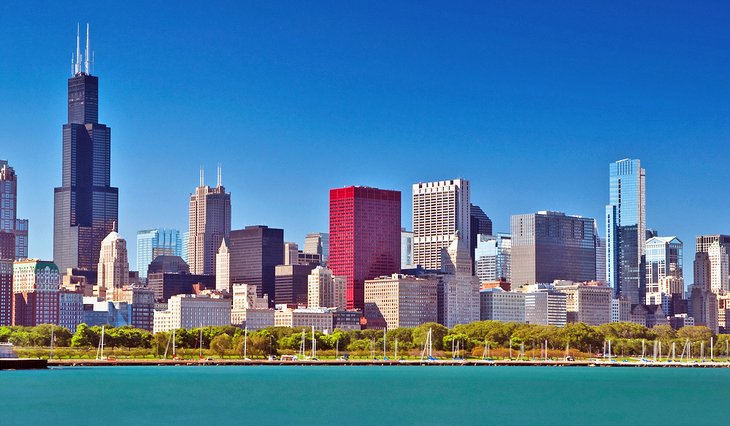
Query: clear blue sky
[529,100]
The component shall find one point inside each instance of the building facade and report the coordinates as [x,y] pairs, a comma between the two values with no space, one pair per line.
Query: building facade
[400,301]
[70,309]
[6,292]
[495,304]
[113,269]
[255,251]
[192,311]
[588,303]
[493,257]
[440,211]
[85,205]
[209,224]
[549,246]
[406,249]
[325,290]
[165,285]
[156,242]
[321,319]
[626,230]
[458,287]
[35,292]
[318,243]
[479,223]
[364,237]
[292,284]
[13,231]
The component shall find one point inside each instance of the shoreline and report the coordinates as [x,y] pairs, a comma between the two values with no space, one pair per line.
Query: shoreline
[382,363]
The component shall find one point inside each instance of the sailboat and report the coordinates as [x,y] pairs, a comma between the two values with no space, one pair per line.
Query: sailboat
[301,346]
[245,344]
[50,355]
[428,346]
[314,345]
[385,355]
[100,348]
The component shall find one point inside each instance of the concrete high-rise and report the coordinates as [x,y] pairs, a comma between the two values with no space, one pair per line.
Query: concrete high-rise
[440,209]
[400,301]
[13,231]
[113,268]
[459,288]
[156,242]
[364,237]
[85,205]
[626,230]
[711,262]
[325,290]
[549,246]
[209,223]
[35,292]
[318,243]
[6,292]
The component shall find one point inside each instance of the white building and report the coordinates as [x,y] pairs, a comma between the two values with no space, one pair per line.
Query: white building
[325,290]
[589,303]
[545,306]
[400,301]
[718,268]
[191,311]
[223,267]
[499,305]
[440,210]
[460,289]
[113,268]
[319,318]
[250,310]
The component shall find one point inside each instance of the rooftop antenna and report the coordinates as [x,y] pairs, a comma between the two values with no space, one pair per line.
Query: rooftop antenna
[77,66]
[201,176]
[86,54]
[114,226]
[72,63]
[220,175]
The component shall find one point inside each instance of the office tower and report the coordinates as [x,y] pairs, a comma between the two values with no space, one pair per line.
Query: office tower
[318,243]
[459,288]
[600,258]
[325,290]
[6,292]
[400,301]
[291,253]
[718,257]
[664,270]
[70,309]
[626,230]
[21,239]
[495,304]
[210,222]
[406,249]
[168,284]
[255,251]
[440,209]
[85,205]
[291,284]
[588,303]
[249,310]
[479,223]
[35,292]
[223,267]
[493,257]
[320,319]
[113,268]
[192,311]
[185,238]
[711,269]
[13,231]
[545,306]
[549,246]
[156,242]
[364,237]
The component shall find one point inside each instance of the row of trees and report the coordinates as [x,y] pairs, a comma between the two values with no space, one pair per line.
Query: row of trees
[626,338]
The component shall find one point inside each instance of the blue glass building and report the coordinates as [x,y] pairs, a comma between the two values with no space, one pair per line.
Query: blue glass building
[626,230]
[156,242]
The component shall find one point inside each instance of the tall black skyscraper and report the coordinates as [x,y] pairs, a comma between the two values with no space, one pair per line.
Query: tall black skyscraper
[85,206]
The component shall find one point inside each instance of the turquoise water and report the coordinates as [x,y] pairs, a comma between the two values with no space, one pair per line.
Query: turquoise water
[365,395]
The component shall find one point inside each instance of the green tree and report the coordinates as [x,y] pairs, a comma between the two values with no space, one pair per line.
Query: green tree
[695,333]
[220,344]
[437,335]
[82,337]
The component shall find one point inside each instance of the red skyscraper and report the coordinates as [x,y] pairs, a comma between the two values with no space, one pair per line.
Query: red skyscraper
[364,237]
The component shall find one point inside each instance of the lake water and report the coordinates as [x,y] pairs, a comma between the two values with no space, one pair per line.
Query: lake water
[365,395]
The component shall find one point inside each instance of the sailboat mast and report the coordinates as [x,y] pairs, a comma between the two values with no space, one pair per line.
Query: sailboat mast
[245,341]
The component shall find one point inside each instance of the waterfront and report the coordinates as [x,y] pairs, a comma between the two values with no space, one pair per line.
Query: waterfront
[364,395]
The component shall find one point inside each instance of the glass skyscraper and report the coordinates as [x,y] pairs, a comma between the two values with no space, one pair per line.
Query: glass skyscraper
[626,230]
[85,205]
[493,257]
[156,242]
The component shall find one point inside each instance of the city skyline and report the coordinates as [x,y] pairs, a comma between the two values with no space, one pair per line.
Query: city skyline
[570,182]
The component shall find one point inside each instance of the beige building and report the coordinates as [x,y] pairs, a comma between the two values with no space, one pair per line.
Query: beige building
[223,267]
[191,311]
[113,268]
[249,310]
[440,210]
[320,319]
[589,302]
[325,290]
[400,301]
[460,287]
[209,222]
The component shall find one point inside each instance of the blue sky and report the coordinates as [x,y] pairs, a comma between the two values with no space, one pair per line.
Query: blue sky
[528,100]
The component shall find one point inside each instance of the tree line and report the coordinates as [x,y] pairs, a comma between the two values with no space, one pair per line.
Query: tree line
[626,338]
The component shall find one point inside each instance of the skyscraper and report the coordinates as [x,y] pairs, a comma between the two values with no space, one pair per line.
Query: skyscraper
[663,259]
[318,243]
[6,292]
[479,223]
[548,246]
[459,287]
[440,209]
[35,293]
[626,230]
[113,267]
[364,237]
[254,253]
[210,222]
[493,256]
[13,231]
[156,242]
[85,205]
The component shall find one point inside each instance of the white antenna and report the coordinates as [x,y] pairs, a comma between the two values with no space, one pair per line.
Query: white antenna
[72,63]
[86,63]
[202,180]
[77,67]
[220,175]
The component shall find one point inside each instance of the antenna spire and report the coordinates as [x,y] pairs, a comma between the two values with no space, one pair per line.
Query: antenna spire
[220,175]
[86,63]
[202,180]
[77,65]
